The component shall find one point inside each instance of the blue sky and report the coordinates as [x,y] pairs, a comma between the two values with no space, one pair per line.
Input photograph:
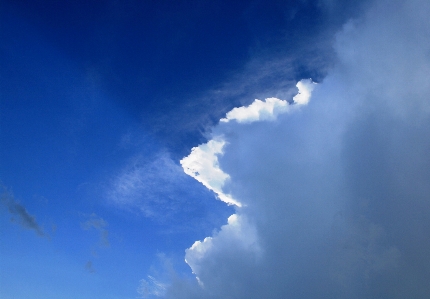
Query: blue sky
[136,162]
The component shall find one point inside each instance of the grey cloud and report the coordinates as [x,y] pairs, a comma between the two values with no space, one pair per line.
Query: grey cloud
[89,267]
[20,213]
[100,225]
[337,193]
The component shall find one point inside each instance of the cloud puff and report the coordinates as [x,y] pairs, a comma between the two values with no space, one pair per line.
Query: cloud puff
[20,213]
[335,194]
[96,222]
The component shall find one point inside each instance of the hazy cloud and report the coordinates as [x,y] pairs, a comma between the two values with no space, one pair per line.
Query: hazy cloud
[89,267]
[20,213]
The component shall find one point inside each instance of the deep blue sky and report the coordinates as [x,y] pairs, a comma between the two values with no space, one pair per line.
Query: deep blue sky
[154,59]
[100,100]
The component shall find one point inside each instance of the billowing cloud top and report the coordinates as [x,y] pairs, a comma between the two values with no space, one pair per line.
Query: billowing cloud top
[202,163]
[332,199]
[271,107]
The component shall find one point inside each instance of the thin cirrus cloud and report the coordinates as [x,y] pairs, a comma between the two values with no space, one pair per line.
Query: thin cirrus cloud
[334,195]
[156,187]
[150,287]
[137,185]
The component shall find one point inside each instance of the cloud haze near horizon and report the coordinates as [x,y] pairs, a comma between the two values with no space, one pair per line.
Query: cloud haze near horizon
[334,195]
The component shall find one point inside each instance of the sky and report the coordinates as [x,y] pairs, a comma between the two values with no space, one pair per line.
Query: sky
[214,149]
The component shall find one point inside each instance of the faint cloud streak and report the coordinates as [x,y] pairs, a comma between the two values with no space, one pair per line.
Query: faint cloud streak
[20,213]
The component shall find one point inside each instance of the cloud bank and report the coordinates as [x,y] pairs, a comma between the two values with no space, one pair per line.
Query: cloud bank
[334,195]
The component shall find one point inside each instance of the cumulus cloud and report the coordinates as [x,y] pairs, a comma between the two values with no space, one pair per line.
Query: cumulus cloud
[335,194]
[258,110]
[238,233]
[305,88]
[20,213]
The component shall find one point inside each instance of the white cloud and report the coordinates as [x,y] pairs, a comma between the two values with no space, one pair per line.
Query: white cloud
[270,108]
[258,110]
[202,164]
[335,195]
[237,233]
[305,89]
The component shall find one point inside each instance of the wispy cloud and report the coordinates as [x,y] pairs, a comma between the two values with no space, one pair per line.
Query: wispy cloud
[19,213]
[151,288]
[156,187]
[148,184]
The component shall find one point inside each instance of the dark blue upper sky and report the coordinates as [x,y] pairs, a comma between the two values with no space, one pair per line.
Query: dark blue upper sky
[154,59]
